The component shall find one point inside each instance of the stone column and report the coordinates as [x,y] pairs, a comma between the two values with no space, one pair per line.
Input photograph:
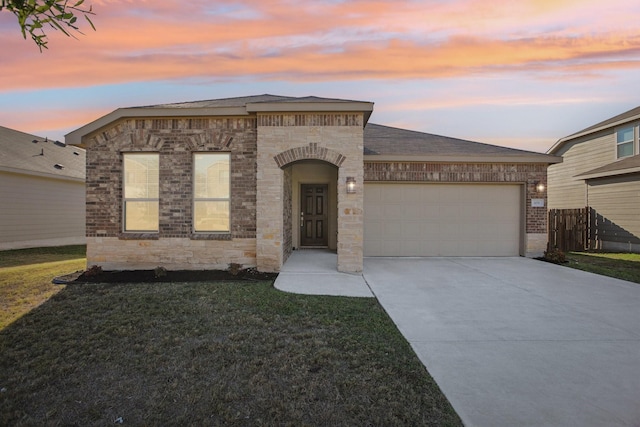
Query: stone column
[270,213]
[350,221]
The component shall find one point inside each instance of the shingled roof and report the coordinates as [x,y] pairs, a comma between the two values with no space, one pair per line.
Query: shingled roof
[389,141]
[242,101]
[35,155]
[619,167]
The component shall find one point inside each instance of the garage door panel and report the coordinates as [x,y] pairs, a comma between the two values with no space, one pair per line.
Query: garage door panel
[375,247]
[393,212]
[449,211]
[411,193]
[374,230]
[442,220]
[391,230]
[390,197]
[467,215]
[414,215]
[429,212]
[375,214]
[428,232]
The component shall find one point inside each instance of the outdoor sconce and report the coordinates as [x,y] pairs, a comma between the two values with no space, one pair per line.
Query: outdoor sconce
[539,187]
[351,185]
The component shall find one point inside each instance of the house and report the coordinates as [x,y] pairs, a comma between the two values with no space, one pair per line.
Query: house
[601,170]
[42,192]
[202,185]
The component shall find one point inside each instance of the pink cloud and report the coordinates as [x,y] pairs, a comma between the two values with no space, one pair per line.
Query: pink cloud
[391,59]
[316,41]
[50,118]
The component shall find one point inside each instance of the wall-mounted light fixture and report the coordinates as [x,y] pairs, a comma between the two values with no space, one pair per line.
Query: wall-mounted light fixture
[351,185]
[539,186]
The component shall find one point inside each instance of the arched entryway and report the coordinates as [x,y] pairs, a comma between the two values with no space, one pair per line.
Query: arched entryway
[310,198]
[313,206]
[333,160]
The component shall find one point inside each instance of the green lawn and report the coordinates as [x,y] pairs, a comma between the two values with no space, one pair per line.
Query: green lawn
[209,353]
[25,277]
[625,266]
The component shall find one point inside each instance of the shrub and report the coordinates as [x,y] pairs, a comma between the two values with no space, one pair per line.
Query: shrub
[159,272]
[555,256]
[94,270]
[234,268]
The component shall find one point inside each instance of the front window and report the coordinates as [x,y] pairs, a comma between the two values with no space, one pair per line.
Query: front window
[141,178]
[211,192]
[624,139]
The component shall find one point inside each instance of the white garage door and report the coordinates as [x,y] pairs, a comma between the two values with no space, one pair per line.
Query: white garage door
[442,219]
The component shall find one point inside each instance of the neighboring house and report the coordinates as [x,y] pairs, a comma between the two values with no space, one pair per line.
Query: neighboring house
[201,185]
[42,192]
[601,170]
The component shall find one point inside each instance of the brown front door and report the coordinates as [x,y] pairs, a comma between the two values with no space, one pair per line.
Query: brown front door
[313,215]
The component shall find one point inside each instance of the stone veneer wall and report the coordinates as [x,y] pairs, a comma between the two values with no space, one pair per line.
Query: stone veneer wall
[526,173]
[336,138]
[112,253]
[174,246]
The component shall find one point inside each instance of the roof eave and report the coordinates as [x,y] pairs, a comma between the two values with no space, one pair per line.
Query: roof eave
[41,174]
[467,158]
[607,174]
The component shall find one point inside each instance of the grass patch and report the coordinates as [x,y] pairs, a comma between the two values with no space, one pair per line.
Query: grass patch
[22,257]
[26,274]
[211,354]
[625,266]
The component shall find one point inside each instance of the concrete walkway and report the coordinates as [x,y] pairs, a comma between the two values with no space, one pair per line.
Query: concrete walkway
[314,272]
[519,342]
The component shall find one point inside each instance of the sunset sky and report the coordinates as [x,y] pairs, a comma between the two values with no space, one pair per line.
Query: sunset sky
[518,73]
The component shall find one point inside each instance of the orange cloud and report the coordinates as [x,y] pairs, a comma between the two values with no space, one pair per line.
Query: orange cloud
[50,118]
[270,39]
[385,60]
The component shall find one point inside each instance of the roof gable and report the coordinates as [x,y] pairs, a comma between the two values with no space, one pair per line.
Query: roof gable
[240,106]
[627,116]
[34,155]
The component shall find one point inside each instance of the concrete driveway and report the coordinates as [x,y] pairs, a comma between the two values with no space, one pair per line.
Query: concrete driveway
[519,342]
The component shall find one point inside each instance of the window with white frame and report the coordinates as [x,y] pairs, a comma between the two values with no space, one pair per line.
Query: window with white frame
[624,141]
[140,192]
[211,192]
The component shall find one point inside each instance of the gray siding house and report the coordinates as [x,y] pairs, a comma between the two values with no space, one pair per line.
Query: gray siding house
[206,184]
[42,192]
[601,170]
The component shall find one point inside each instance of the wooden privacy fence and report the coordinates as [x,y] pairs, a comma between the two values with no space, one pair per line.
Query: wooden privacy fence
[569,229]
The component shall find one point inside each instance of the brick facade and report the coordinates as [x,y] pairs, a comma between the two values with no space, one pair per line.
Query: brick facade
[175,140]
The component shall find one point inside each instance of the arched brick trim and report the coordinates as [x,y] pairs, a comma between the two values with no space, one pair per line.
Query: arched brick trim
[208,141]
[155,142]
[138,142]
[310,152]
